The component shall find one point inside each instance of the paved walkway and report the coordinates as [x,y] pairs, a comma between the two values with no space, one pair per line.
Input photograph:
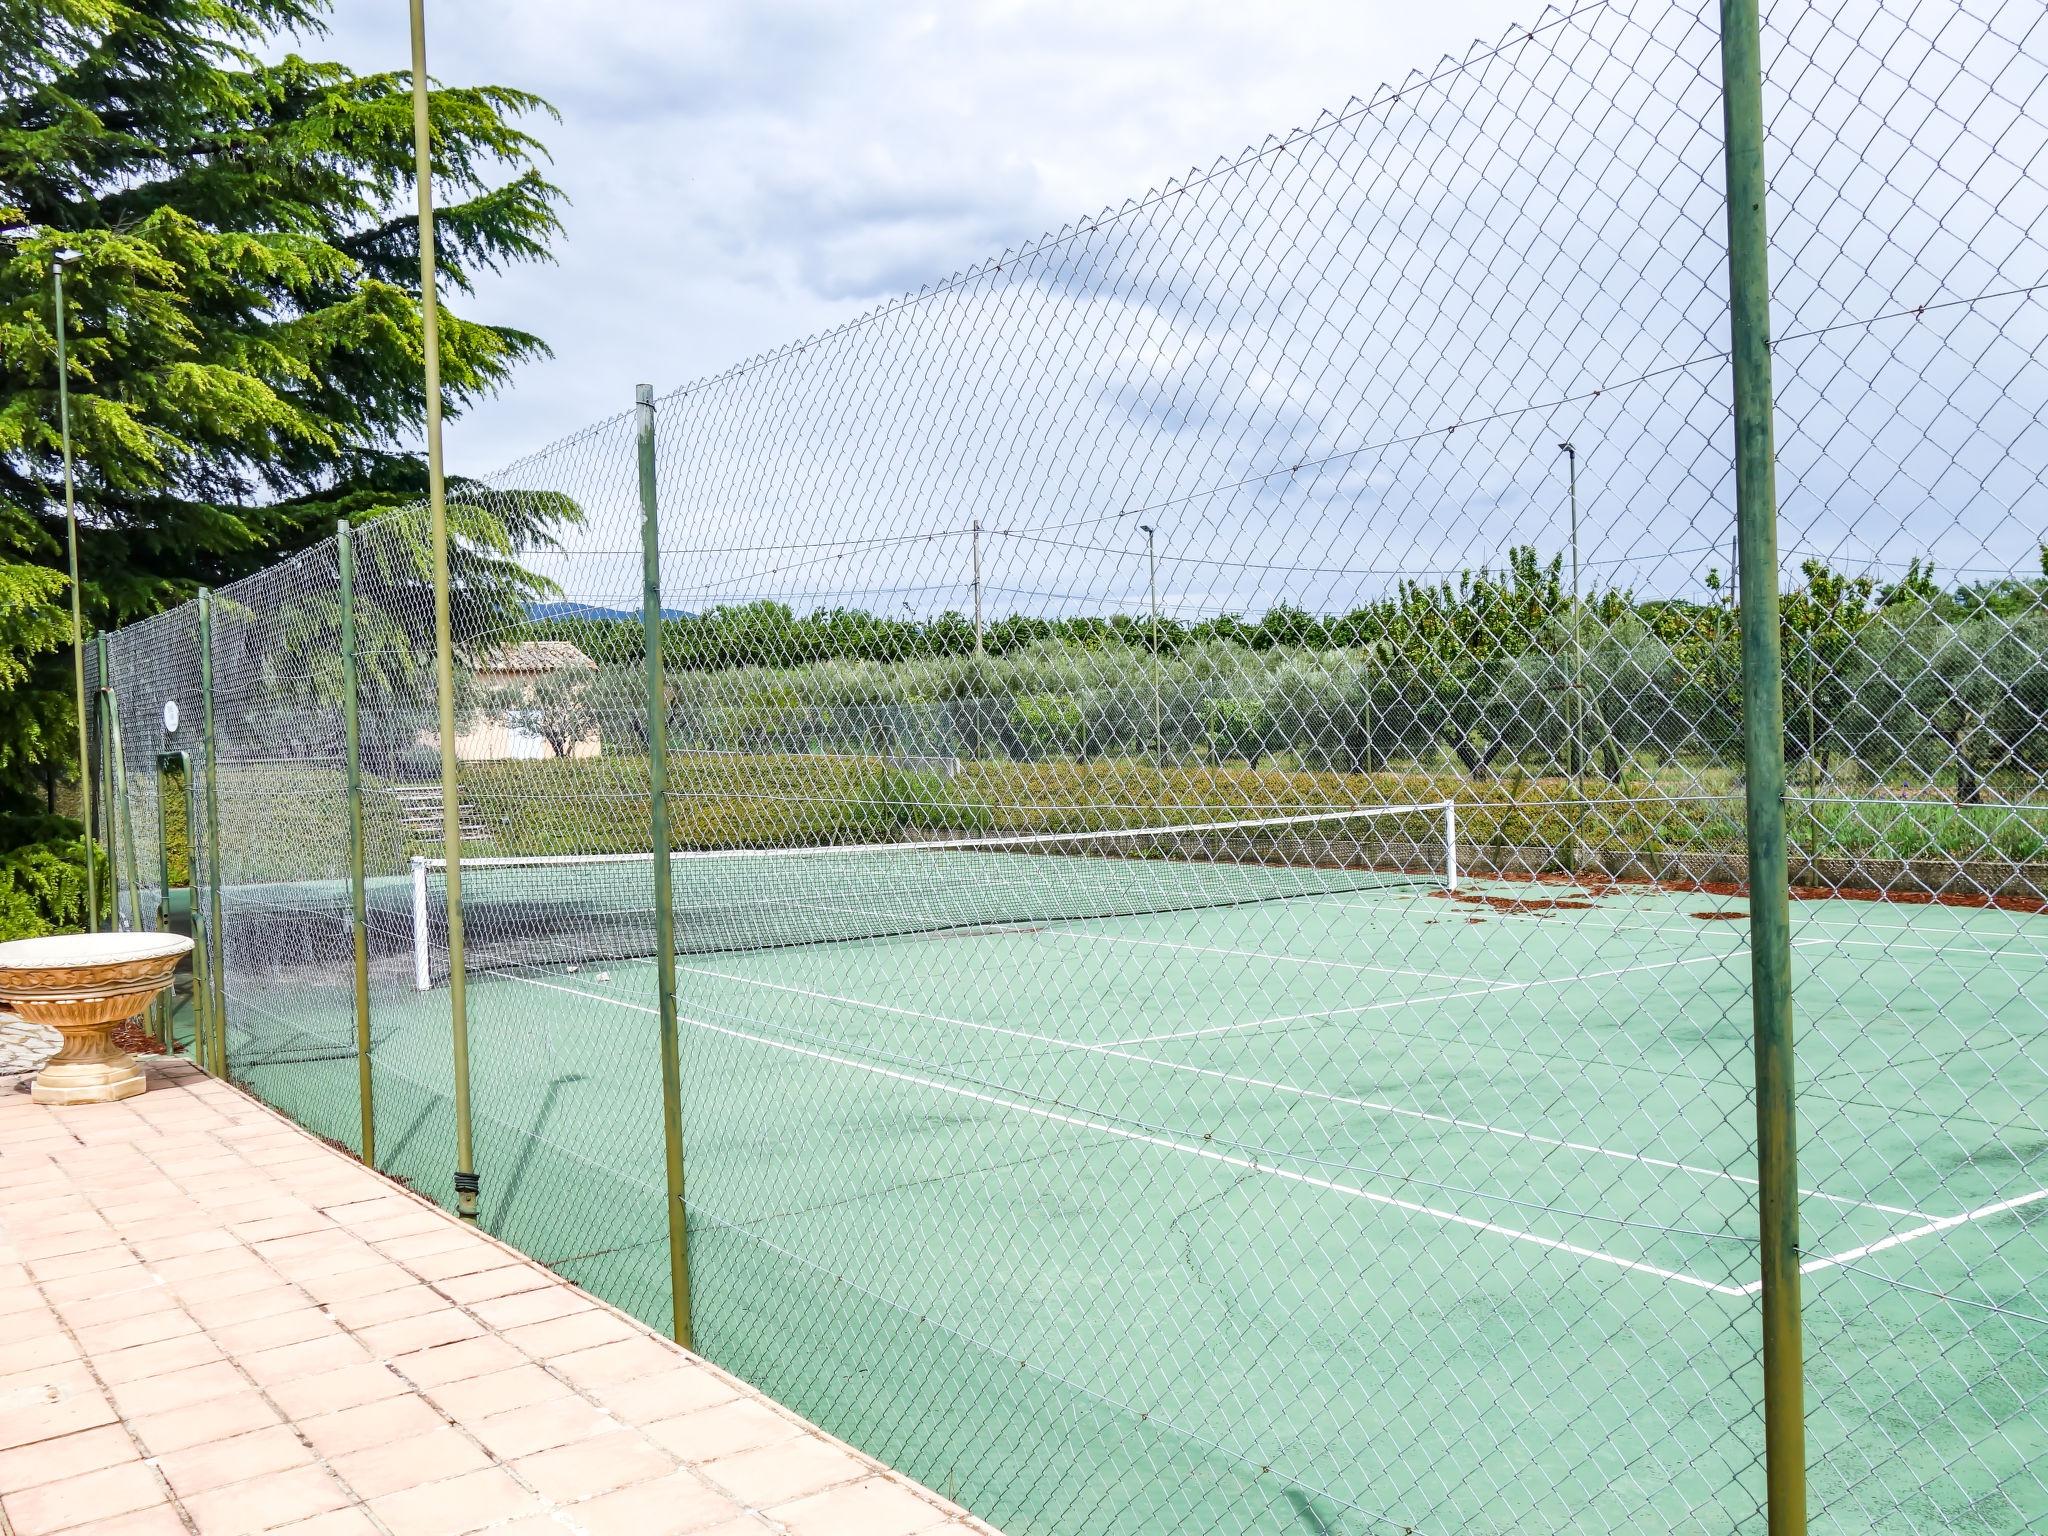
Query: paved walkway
[212,1323]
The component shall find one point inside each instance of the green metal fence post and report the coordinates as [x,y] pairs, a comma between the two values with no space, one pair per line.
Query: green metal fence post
[1763,745]
[466,1183]
[120,818]
[217,969]
[664,903]
[358,912]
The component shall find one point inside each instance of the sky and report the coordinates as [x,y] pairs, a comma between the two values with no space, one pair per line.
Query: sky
[1312,365]
[743,173]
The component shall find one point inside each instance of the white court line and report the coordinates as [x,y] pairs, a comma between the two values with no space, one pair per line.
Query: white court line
[1376,1106]
[1944,1224]
[1256,954]
[1206,1154]
[1490,990]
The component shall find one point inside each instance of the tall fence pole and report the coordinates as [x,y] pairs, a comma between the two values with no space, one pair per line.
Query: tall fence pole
[92,889]
[358,910]
[664,897]
[216,938]
[1763,747]
[466,1184]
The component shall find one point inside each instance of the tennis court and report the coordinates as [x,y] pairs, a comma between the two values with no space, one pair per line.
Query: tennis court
[1147,1195]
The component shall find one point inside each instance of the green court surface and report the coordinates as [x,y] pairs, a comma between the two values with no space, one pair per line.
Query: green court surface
[1352,1212]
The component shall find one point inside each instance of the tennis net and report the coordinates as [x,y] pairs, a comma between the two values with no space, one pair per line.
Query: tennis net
[570,909]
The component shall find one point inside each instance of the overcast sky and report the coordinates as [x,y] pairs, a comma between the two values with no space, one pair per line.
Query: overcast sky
[742,173]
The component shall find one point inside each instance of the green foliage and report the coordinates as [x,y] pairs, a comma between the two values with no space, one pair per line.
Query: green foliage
[896,802]
[243,320]
[42,877]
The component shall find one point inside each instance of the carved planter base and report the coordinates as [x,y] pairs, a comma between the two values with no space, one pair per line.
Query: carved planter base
[84,985]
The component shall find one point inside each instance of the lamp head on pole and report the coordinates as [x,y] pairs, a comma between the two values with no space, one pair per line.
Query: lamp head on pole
[62,259]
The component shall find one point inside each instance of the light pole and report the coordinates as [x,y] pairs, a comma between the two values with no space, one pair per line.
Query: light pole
[1152,588]
[58,263]
[1575,749]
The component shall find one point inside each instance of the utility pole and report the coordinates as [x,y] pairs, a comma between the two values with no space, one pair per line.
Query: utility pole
[1152,587]
[1575,749]
[977,587]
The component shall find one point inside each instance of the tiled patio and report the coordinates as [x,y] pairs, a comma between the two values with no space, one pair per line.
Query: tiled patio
[212,1323]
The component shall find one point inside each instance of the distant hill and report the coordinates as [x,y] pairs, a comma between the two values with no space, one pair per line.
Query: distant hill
[567,609]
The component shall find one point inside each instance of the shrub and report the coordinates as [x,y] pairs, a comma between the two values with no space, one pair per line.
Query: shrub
[42,877]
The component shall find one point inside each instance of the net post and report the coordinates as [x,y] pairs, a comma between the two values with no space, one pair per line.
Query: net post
[217,969]
[664,896]
[422,933]
[1763,745]
[1450,845]
[358,911]
[444,628]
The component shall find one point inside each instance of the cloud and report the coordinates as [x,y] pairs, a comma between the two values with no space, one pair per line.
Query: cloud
[746,172]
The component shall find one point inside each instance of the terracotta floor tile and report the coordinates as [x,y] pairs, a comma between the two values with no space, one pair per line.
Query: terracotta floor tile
[279,1329]
[541,1427]
[37,1351]
[115,1490]
[731,1427]
[499,1392]
[371,1424]
[25,1426]
[225,1311]
[427,1330]
[470,1260]
[158,1520]
[776,1474]
[507,1280]
[263,1503]
[386,1306]
[127,1332]
[536,1306]
[158,1359]
[459,1361]
[567,1335]
[185,1388]
[221,1419]
[455,1507]
[216,1463]
[332,1391]
[295,1362]
[430,1456]
[342,1522]
[668,1506]
[101,1257]
[611,1364]
[585,1468]
[667,1394]
[875,1506]
[50,1461]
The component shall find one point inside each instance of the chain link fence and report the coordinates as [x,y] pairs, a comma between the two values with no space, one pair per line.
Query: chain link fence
[1206,816]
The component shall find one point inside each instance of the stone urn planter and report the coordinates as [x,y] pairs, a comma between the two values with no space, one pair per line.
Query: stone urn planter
[83,985]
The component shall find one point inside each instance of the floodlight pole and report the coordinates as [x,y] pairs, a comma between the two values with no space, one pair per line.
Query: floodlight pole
[1575,749]
[1152,589]
[1763,744]
[444,629]
[977,588]
[92,888]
